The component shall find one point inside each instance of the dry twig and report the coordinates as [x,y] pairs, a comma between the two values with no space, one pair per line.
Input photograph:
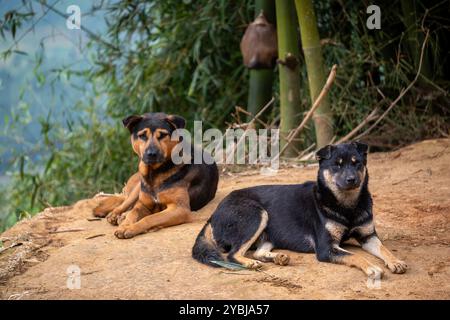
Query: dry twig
[402,92]
[268,104]
[67,230]
[95,236]
[372,116]
[310,113]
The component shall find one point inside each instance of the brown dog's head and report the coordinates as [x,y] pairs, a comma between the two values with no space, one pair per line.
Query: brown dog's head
[151,138]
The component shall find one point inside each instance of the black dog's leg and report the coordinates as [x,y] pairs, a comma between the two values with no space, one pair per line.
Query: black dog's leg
[263,253]
[368,238]
[328,250]
[238,254]
[335,254]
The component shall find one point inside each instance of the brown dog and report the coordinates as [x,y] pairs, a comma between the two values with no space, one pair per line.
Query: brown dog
[162,193]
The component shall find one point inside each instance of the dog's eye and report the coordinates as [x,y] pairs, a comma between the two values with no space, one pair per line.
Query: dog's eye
[142,136]
[162,135]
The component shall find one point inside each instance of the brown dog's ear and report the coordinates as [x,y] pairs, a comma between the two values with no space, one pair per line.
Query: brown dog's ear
[361,147]
[176,121]
[324,153]
[131,121]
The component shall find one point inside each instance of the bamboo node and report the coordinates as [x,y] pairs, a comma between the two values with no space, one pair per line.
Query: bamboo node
[289,61]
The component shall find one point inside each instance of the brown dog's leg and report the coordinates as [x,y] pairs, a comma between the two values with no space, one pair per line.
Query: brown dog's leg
[374,246]
[132,182]
[177,211]
[108,204]
[134,215]
[171,216]
[129,202]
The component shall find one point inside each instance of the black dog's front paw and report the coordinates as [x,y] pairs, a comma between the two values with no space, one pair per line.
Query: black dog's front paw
[397,266]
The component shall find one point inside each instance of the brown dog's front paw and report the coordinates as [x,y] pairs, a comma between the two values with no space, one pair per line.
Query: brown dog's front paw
[397,266]
[281,259]
[121,218]
[113,218]
[125,233]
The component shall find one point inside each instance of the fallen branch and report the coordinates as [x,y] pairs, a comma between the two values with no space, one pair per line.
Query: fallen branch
[247,113]
[268,104]
[67,230]
[372,116]
[94,219]
[95,236]
[308,157]
[310,113]
[306,150]
[15,244]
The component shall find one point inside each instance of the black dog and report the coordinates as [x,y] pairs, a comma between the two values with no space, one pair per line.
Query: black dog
[310,217]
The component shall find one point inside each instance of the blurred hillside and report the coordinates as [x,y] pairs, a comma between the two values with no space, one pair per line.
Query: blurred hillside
[33,83]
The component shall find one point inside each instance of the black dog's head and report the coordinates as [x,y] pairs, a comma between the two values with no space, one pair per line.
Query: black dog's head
[151,137]
[342,168]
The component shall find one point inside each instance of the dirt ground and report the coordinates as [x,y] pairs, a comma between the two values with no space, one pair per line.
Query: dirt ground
[411,191]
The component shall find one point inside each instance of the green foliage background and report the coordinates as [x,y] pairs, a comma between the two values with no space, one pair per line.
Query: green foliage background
[183,57]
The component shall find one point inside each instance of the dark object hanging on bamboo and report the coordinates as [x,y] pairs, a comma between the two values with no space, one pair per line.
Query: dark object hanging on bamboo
[259,44]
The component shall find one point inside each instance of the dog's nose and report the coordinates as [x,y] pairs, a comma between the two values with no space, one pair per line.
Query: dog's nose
[351,180]
[151,153]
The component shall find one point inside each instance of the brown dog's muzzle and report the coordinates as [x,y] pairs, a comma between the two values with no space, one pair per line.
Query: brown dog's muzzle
[152,155]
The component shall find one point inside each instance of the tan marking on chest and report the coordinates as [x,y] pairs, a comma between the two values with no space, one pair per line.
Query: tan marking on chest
[345,198]
[336,230]
[365,229]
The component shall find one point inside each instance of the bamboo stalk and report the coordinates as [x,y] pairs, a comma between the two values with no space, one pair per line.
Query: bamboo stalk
[260,89]
[261,81]
[315,67]
[288,53]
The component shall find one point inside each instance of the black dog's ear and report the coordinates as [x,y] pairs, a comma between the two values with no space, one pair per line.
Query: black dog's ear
[176,121]
[324,153]
[131,121]
[361,147]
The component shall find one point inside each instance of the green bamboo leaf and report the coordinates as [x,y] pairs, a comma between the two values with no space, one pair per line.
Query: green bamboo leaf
[13,30]
[20,52]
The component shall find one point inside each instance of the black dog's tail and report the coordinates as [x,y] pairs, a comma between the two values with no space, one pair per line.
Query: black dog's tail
[205,249]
